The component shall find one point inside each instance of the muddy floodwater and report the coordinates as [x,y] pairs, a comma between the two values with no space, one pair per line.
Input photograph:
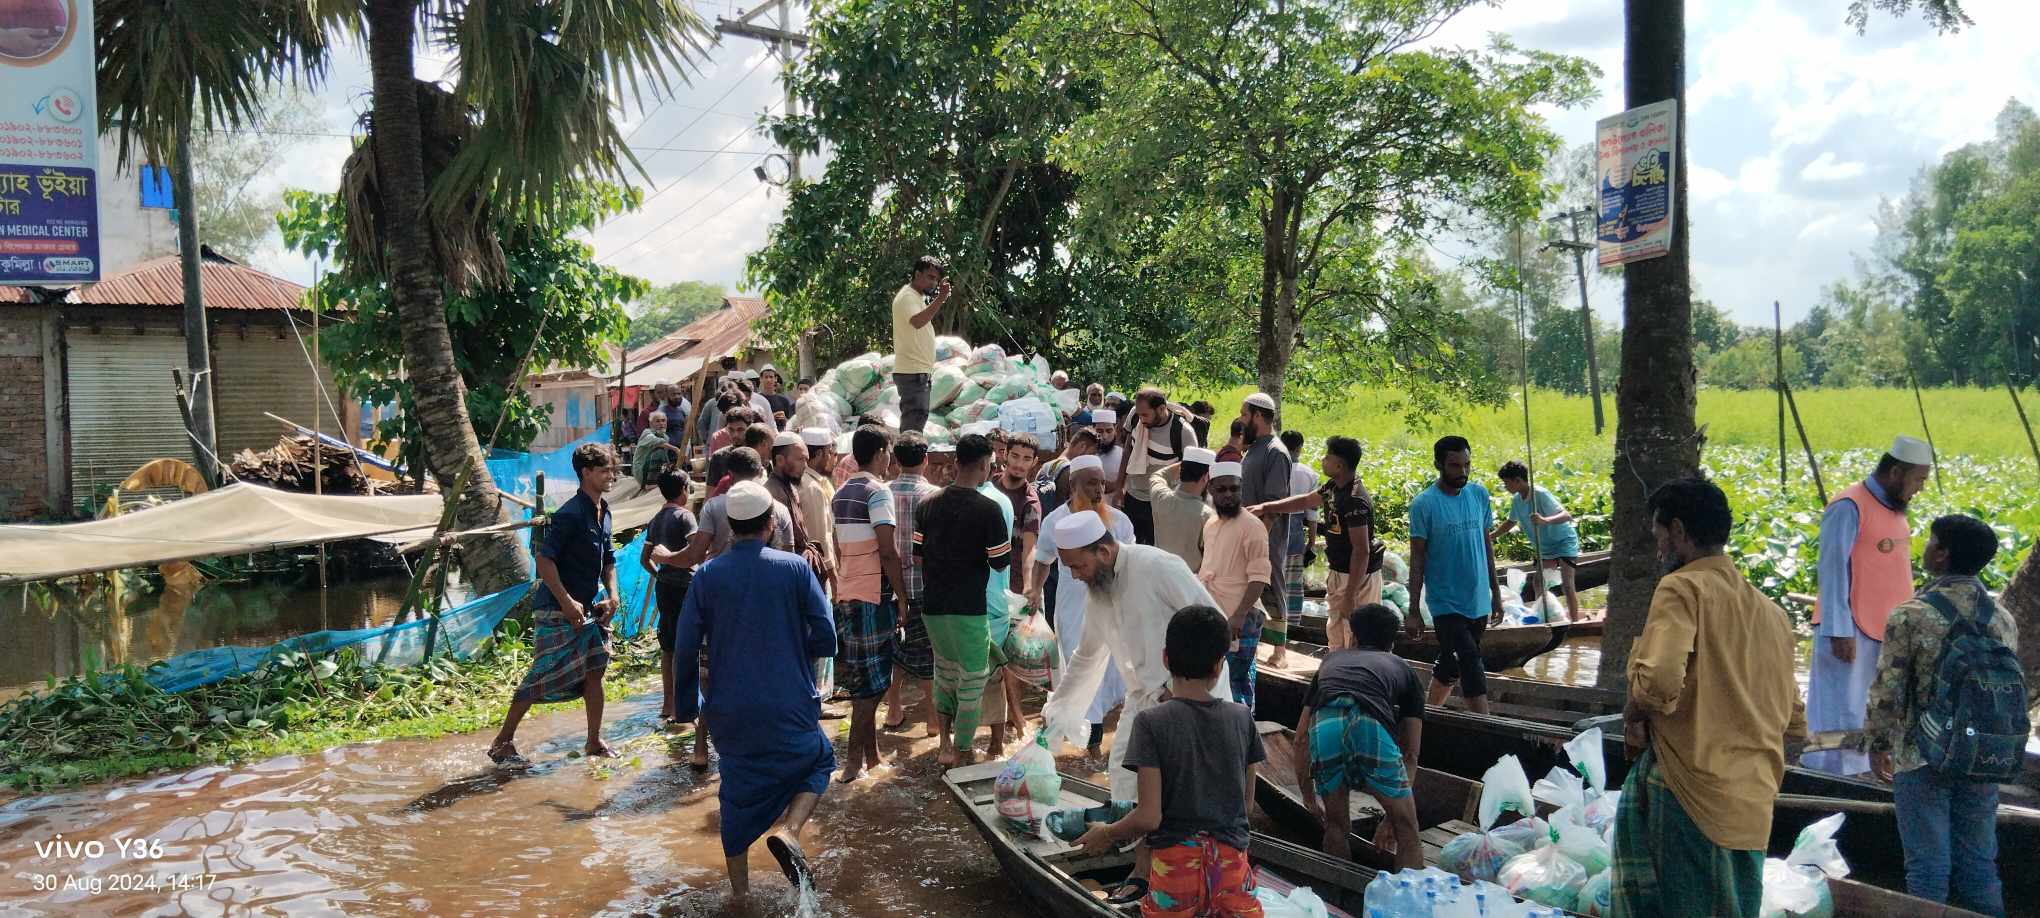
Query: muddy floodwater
[428,827]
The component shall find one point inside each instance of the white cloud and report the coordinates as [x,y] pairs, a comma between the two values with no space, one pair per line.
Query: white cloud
[1825,168]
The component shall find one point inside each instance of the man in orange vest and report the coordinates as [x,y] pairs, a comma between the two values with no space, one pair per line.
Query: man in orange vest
[1865,572]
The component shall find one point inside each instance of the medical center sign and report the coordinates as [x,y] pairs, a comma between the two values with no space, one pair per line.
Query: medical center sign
[1635,153]
[49,143]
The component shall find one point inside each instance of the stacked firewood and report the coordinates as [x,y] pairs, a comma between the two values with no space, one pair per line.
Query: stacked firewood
[288,466]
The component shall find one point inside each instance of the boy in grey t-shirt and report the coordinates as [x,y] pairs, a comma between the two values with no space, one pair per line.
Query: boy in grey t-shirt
[1195,755]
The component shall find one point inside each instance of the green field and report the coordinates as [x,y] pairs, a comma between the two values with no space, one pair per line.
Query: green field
[1987,467]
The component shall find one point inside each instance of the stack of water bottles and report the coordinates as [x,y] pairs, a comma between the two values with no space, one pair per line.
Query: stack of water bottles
[1433,893]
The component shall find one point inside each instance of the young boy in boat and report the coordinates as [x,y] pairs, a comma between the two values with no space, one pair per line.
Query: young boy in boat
[1344,743]
[1195,755]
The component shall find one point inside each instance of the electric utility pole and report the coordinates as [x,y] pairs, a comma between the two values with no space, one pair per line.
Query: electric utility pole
[1579,250]
[782,40]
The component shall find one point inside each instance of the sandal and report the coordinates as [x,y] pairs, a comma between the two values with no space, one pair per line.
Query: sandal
[792,861]
[504,752]
[1131,891]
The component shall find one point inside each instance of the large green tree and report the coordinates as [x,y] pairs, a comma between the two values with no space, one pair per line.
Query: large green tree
[670,307]
[937,121]
[554,305]
[1296,152]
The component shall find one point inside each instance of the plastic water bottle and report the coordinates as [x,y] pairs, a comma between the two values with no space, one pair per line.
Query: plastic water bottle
[1431,903]
[1380,894]
[1407,900]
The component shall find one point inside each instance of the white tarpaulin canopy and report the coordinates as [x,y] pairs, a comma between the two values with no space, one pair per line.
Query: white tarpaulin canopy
[242,518]
[662,370]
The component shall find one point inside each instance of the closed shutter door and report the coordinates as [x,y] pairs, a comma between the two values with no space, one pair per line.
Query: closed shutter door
[123,404]
[261,373]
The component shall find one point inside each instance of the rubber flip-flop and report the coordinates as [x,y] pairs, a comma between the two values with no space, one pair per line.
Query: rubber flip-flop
[1129,892]
[791,861]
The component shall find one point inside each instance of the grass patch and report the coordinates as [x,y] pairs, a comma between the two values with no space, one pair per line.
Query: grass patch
[115,724]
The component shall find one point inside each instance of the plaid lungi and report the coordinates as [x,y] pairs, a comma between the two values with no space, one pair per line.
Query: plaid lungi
[914,653]
[1665,866]
[562,656]
[864,648]
[1292,587]
[1352,750]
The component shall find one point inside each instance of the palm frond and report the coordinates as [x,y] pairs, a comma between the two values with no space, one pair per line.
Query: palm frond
[199,63]
[463,236]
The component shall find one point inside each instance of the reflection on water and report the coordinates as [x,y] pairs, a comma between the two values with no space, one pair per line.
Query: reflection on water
[425,826]
[75,626]
[1578,662]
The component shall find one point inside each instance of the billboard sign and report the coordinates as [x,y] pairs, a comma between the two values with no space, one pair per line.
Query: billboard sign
[49,144]
[1635,154]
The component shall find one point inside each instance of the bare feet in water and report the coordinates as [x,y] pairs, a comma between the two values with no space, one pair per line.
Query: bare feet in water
[600,749]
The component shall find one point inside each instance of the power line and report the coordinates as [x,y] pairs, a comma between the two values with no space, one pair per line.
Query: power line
[697,227]
[683,177]
[683,211]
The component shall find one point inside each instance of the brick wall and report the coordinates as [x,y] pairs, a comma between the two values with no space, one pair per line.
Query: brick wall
[24,472]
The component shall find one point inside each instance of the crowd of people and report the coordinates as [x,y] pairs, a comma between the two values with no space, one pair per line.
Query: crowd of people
[1162,563]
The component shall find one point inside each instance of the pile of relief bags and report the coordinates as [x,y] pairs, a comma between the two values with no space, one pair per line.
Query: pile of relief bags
[973,388]
[1562,861]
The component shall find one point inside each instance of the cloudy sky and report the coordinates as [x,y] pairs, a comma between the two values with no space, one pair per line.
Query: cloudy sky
[1797,128]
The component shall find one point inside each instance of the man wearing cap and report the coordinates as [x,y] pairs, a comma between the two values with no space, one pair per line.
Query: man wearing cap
[913,324]
[1236,569]
[1105,423]
[1159,439]
[1132,591]
[1087,495]
[817,492]
[762,614]
[1180,509]
[769,388]
[789,466]
[1265,477]
[1865,572]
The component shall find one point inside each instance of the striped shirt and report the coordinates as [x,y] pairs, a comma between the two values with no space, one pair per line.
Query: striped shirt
[908,491]
[860,506]
[961,536]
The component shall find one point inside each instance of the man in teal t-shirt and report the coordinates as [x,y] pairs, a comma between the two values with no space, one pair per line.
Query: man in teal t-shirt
[1452,556]
[1558,540]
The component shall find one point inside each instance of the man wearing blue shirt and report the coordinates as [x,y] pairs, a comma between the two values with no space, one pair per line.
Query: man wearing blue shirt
[1546,522]
[1452,552]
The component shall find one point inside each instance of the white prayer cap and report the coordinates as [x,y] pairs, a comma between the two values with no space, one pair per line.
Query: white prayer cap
[1262,401]
[1225,470]
[815,436]
[747,500]
[843,443]
[786,438]
[1912,451]
[1199,455]
[1115,396]
[942,447]
[1079,530]
[1087,461]
[1104,416]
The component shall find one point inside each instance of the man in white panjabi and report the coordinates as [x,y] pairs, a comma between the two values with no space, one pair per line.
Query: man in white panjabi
[1134,590]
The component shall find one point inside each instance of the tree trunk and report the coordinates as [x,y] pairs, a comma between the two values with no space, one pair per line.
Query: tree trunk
[438,394]
[1655,436]
[2022,599]
[1278,295]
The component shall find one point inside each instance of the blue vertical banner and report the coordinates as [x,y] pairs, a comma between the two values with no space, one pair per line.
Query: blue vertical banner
[49,144]
[1636,153]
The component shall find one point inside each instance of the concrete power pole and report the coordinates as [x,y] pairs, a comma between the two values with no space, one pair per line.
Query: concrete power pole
[783,41]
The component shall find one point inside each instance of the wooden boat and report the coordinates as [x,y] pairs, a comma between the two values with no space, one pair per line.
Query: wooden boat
[1501,647]
[1060,879]
[1591,573]
[1449,805]
[1280,692]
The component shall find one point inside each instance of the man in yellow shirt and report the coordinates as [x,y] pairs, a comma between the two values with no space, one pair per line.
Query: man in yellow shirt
[1712,702]
[913,329]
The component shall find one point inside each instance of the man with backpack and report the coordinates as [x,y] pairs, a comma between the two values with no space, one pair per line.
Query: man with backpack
[1947,719]
[1160,434]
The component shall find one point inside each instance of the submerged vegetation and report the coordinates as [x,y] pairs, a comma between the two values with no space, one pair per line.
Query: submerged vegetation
[114,723]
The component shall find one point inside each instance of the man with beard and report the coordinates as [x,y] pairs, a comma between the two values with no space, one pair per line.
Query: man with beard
[1452,554]
[1132,591]
[1158,439]
[1712,703]
[818,493]
[1105,423]
[1264,477]
[1865,572]
[1066,595]
[1236,569]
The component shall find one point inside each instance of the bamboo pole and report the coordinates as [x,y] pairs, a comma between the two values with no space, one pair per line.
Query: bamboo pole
[1921,404]
[2023,422]
[1529,449]
[1819,487]
[318,442]
[1778,348]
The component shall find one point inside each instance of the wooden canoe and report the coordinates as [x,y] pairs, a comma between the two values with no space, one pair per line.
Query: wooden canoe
[1449,805]
[1592,573]
[1060,879]
[1280,692]
[1501,646]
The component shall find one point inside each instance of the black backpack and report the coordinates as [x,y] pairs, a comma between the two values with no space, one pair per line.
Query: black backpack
[1975,728]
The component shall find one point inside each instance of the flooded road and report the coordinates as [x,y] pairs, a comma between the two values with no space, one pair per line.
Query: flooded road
[427,827]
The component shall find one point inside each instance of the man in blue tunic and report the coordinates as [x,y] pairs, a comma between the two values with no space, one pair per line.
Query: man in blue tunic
[763,616]
[570,645]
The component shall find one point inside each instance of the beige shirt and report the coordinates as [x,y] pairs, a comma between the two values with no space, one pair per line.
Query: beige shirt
[913,348]
[1179,521]
[1713,670]
[1235,556]
[816,495]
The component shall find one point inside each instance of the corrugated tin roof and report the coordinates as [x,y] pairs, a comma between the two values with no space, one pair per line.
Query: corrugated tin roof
[710,337]
[226,284]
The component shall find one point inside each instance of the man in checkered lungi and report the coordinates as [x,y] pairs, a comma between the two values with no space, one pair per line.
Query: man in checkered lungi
[866,557]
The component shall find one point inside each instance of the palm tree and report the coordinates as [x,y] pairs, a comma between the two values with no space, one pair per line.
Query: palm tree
[163,66]
[529,114]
